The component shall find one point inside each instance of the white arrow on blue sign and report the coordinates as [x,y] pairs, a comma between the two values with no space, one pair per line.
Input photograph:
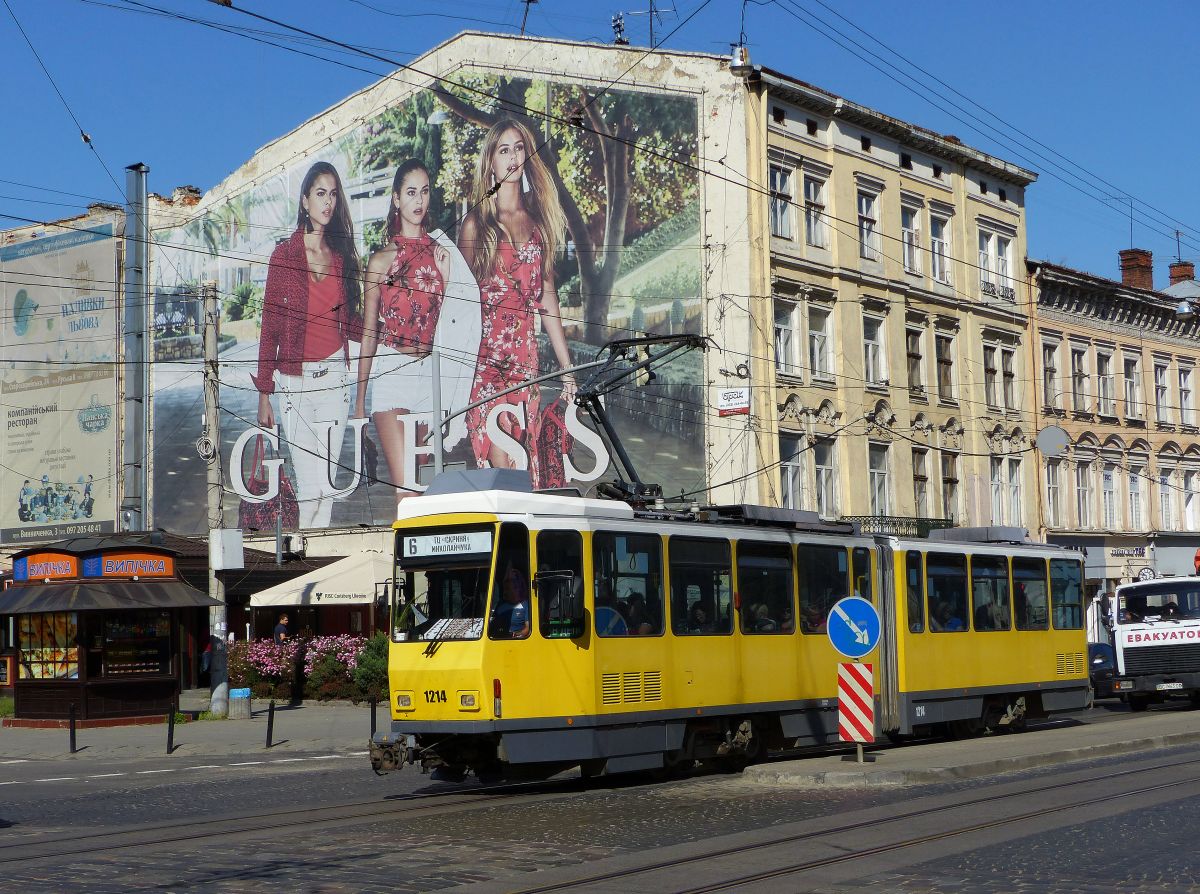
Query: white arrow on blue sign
[853,626]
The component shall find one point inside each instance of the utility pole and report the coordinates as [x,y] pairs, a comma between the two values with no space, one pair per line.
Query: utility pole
[135,511]
[217,618]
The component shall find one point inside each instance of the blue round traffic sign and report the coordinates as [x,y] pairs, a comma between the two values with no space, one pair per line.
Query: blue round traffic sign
[853,626]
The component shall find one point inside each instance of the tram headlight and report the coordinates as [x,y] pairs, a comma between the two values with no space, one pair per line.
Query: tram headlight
[404,701]
[468,700]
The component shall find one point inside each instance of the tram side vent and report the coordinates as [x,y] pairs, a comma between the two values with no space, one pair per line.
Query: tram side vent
[653,686]
[610,689]
[631,687]
[1070,664]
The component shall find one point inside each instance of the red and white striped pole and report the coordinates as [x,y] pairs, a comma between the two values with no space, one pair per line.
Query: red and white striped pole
[856,704]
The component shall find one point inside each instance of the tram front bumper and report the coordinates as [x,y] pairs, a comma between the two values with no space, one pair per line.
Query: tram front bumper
[390,752]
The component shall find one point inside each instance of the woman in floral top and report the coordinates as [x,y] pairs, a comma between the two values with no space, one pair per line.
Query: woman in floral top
[510,238]
[405,299]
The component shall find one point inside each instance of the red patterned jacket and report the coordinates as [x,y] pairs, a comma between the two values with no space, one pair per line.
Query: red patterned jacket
[285,313]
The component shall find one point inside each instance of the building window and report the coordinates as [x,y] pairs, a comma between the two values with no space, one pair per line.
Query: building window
[1079,380]
[1006,490]
[1133,388]
[937,172]
[1015,513]
[1108,495]
[874,362]
[916,363]
[824,462]
[995,262]
[818,344]
[983,187]
[1083,494]
[950,485]
[868,232]
[791,472]
[939,248]
[1162,406]
[781,202]
[944,350]
[1189,500]
[778,115]
[786,359]
[815,231]
[990,376]
[1053,493]
[1008,359]
[1166,501]
[906,161]
[877,474]
[1136,511]
[997,481]
[920,461]
[1185,397]
[1050,376]
[810,127]
[910,239]
[1003,195]
[1105,392]
[865,143]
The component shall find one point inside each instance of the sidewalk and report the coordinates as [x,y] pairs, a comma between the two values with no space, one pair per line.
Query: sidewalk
[932,762]
[328,728]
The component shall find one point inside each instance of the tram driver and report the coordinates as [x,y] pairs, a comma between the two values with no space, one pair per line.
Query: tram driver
[510,618]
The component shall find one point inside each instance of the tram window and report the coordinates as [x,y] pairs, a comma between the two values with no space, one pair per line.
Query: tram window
[442,596]
[701,586]
[628,591]
[946,577]
[915,585]
[560,583]
[1066,594]
[510,588]
[862,573]
[989,593]
[1029,594]
[765,588]
[824,579]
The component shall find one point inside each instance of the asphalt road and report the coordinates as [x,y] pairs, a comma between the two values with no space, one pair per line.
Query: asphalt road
[322,823]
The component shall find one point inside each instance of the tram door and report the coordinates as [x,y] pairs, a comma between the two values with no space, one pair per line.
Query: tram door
[560,593]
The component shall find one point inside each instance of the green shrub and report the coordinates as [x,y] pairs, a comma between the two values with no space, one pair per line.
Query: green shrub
[371,672]
[7,706]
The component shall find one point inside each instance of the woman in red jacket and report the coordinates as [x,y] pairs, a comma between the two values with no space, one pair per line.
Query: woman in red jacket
[311,312]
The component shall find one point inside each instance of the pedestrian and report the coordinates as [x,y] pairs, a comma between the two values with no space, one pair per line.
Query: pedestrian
[281,630]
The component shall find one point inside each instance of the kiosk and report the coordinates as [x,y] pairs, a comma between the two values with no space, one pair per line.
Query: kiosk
[97,626]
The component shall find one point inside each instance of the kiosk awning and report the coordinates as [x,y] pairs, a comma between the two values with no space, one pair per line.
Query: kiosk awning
[93,595]
[348,581]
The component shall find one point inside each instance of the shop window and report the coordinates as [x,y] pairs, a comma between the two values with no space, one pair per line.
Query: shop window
[701,586]
[48,644]
[764,586]
[135,643]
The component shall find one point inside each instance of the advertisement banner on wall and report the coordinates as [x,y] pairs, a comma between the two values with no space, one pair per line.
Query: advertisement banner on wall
[498,245]
[58,385]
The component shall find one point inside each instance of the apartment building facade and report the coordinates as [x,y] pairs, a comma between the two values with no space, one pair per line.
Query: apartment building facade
[890,268]
[1118,368]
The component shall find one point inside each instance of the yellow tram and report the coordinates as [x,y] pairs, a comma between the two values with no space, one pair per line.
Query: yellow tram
[537,631]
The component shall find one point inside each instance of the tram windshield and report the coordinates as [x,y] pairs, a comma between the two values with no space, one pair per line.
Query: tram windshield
[1166,600]
[442,582]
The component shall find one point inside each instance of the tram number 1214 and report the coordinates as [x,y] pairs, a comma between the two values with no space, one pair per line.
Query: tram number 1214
[432,696]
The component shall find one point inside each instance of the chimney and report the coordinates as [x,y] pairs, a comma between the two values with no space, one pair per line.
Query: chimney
[1137,268]
[1182,271]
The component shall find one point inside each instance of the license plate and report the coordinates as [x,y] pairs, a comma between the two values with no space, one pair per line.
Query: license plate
[1162,686]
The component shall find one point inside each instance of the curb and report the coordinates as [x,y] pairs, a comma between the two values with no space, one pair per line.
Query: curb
[846,778]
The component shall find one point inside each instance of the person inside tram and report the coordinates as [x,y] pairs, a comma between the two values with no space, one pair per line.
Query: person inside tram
[609,619]
[700,618]
[944,618]
[510,619]
[637,616]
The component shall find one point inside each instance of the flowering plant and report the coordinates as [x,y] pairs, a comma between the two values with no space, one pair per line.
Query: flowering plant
[344,649]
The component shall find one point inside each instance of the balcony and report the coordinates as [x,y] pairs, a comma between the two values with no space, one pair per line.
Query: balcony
[898,525]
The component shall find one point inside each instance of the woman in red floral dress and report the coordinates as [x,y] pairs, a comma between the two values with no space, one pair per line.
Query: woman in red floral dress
[510,239]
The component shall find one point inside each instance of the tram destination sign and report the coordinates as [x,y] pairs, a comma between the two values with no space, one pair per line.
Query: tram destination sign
[458,543]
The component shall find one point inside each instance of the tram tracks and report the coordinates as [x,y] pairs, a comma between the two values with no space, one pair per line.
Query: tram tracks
[823,836]
[193,829]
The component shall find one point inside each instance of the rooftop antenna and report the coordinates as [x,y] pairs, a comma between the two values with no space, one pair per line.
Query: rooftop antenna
[653,13]
[1178,249]
[525,16]
[618,26]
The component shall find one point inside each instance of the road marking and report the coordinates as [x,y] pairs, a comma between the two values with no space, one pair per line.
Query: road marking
[145,772]
[325,757]
[105,775]
[358,754]
[19,761]
[247,763]
[14,782]
[205,767]
[57,779]
[288,760]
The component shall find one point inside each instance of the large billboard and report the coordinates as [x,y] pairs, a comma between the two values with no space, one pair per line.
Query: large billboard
[58,385]
[478,235]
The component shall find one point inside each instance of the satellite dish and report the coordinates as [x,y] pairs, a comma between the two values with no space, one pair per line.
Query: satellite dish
[1052,440]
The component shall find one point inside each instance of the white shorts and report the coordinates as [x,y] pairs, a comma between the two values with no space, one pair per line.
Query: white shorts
[400,381]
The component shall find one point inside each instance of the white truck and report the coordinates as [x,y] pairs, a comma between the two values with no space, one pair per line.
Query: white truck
[1156,635]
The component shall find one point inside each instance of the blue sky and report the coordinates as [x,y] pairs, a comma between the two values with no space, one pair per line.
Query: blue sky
[1109,87]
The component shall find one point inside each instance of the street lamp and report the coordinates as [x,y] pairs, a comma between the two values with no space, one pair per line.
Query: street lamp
[1185,310]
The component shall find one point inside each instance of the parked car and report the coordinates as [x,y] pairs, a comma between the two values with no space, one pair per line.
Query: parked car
[1102,663]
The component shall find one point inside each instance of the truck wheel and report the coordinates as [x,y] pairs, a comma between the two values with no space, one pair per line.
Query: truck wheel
[1138,702]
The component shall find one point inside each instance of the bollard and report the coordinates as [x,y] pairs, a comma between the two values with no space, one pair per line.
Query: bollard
[374,704]
[270,721]
[72,716]
[171,731]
